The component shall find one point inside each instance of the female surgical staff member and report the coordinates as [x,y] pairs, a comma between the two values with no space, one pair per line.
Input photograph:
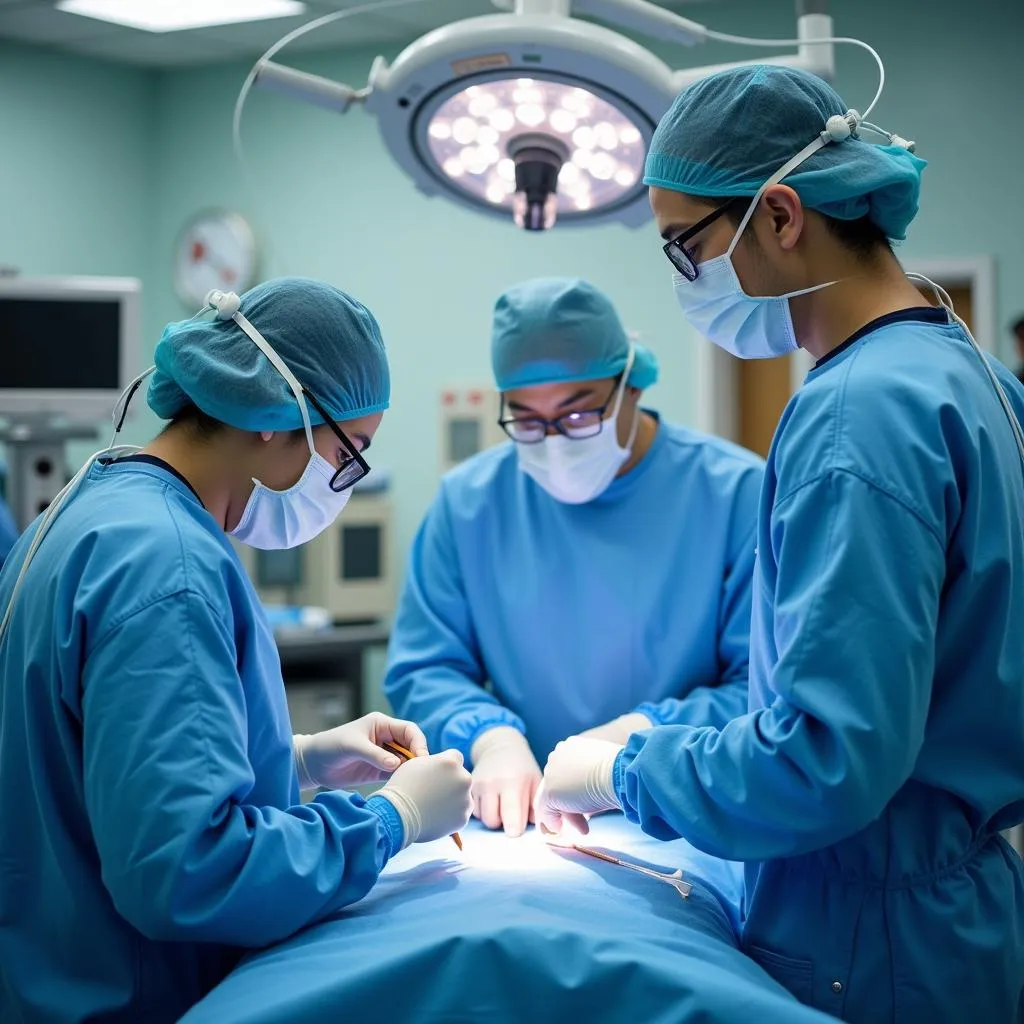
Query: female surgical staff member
[591,572]
[149,781]
[884,750]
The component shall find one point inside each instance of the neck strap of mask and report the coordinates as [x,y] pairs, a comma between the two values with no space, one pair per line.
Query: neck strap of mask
[624,383]
[812,147]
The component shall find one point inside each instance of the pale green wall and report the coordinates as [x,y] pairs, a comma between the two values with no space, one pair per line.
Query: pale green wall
[77,158]
[101,166]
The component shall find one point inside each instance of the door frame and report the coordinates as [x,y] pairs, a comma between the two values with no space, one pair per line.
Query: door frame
[717,409]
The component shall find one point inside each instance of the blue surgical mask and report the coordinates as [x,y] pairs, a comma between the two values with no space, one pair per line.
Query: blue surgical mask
[748,326]
[717,307]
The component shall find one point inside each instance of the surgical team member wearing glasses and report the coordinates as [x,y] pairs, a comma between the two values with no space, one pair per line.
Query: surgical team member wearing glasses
[149,780]
[583,577]
[884,750]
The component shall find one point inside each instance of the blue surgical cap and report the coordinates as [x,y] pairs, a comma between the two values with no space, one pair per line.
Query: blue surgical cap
[330,342]
[555,330]
[727,134]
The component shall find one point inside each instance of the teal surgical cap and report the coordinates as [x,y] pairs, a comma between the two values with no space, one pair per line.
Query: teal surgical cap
[330,342]
[727,134]
[555,330]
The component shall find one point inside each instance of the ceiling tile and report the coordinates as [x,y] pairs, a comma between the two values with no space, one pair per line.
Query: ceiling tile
[252,35]
[150,48]
[255,37]
[362,30]
[434,13]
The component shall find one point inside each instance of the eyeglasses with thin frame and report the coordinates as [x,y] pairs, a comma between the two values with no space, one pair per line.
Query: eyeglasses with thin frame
[351,471]
[682,258]
[576,425]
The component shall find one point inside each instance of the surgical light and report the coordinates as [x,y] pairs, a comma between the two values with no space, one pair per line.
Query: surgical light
[534,115]
[533,144]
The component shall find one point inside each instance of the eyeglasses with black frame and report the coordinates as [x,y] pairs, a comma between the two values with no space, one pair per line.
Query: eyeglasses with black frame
[352,471]
[682,258]
[575,425]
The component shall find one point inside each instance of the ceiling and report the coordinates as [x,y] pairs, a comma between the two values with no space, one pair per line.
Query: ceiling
[38,22]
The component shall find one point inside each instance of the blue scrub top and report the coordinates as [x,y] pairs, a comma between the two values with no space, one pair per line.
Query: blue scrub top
[8,532]
[152,825]
[571,615]
[884,749]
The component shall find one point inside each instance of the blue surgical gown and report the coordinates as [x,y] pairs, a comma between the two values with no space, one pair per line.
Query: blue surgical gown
[884,748]
[151,818]
[8,532]
[521,610]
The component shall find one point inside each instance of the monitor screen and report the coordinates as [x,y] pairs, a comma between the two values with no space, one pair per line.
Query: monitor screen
[360,552]
[463,438]
[279,568]
[60,344]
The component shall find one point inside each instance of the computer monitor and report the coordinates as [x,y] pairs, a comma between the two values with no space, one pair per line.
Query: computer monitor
[350,574]
[70,345]
[279,568]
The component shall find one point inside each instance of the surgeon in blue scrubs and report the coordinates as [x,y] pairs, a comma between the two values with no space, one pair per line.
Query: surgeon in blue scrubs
[149,780]
[584,577]
[884,748]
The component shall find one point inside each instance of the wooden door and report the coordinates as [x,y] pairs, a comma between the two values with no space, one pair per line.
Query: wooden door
[764,387]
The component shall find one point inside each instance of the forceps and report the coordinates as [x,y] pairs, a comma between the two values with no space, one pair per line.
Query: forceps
[675,879]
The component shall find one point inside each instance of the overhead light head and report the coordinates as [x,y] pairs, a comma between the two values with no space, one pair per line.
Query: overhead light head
[536,144]
[529,120]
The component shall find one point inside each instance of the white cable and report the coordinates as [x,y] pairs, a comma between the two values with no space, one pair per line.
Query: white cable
[63,497]
[311,26]
[724,37]
[290,37]
[947,303]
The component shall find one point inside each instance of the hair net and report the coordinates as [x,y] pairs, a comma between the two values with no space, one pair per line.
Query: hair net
[554,330]
[331,342]
[727,134]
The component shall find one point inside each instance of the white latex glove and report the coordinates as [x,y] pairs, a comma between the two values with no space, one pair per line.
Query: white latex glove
[577,782]
[505,778]
[431,795]
[352,753]
[618,730]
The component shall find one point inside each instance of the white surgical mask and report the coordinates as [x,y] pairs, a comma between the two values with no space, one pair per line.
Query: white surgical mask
[717,307]
[576,471]
[285,519]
